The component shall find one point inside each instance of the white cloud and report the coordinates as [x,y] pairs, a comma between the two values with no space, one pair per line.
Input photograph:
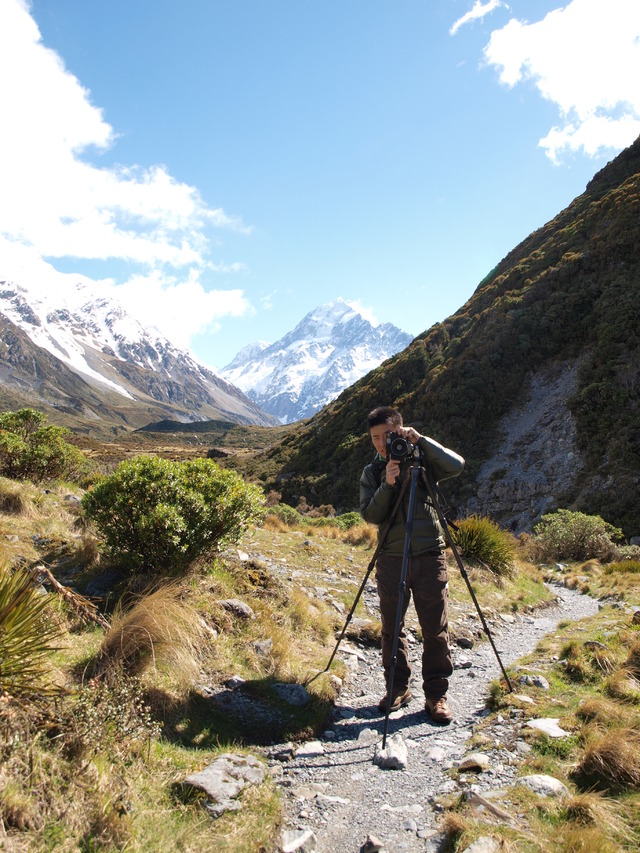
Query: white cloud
[179,308]
[367,313]
[478,11]
[56,202]
[585,59]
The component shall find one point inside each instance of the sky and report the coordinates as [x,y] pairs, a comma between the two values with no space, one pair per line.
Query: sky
[223,168]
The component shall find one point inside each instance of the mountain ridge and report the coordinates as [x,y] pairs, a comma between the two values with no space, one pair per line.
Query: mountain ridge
[329,349]
[110,366]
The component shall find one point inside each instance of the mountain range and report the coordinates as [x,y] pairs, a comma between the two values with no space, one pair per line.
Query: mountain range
[83,359]
[329,349]
[535,380]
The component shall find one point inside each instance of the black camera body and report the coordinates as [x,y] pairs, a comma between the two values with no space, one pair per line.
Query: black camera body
[398,448]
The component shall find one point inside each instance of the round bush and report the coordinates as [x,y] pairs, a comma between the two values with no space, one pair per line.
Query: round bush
[287,514]
[566,535]
[32,450]
[159,516]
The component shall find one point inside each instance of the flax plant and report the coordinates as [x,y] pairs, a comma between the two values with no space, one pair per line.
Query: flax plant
[27,635]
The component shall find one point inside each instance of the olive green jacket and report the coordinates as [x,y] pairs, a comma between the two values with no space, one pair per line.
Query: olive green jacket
[377,499]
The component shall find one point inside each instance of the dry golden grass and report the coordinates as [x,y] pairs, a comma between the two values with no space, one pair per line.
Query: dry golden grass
[611,760]
[14,499]
[160,631]
[578,839]
[362,534]
[623,686]
[275,525]
[632,663]
[603,712]
[590,811]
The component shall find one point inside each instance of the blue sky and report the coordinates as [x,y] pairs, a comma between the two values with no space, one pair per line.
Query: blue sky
[225,167]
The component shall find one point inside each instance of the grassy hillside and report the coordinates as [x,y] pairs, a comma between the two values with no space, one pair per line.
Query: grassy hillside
[570,291]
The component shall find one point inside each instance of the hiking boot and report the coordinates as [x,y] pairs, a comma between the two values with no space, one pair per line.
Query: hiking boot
[438,709]
[399,698]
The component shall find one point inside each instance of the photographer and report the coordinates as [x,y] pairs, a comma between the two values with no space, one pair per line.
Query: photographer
[426,575]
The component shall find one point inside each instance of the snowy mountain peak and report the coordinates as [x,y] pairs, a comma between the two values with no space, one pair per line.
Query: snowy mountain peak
[330,348]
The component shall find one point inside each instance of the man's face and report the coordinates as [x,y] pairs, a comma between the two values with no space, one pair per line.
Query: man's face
[379,435]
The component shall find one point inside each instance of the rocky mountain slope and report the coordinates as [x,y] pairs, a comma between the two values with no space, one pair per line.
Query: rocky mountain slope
[77,354]
[535,380]
[331,348]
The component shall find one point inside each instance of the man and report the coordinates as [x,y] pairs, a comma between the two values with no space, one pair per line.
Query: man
[426,575]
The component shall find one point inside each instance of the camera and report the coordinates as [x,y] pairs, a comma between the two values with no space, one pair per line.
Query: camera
[398,448]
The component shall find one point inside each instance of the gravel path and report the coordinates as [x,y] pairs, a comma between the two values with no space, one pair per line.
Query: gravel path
[339,794]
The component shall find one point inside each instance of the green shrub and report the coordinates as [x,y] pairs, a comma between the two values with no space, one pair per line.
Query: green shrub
[566,535]
[26,635]
[480,540]
[159,516]
[287,514]
[348,520]
[30,450]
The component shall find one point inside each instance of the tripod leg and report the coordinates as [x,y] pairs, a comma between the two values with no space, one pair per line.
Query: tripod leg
[401,594]
[394,512]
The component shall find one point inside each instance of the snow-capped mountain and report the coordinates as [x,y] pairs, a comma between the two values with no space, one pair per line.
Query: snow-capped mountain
[331,348]
[110,353]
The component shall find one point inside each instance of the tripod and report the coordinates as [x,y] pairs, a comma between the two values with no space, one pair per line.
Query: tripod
[414,472]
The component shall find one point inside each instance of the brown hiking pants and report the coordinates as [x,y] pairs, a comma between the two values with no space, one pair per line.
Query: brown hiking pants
[427,581]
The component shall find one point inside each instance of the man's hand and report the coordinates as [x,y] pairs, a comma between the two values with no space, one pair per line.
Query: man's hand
[392,471]
[409,433]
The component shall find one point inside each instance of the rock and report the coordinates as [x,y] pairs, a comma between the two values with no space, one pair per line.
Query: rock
[521,697]
[311,747]
[394,754]
[594,646]
[475,761]
[549,726]
[436,753]
[225,778]
[329,800]
[263,647]
[283,753]
[293,694]
[535,681]
[546,786]
[372,845]
[298,841]
[484,844]
[237,607]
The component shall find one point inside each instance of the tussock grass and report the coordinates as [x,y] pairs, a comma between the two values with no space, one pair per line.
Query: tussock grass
[15,499]
[611,760]
[603,712]
[590,811]
[632,663]
[623,686]
[159,631]
[481,541]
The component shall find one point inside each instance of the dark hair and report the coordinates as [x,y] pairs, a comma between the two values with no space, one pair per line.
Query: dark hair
[384,415]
